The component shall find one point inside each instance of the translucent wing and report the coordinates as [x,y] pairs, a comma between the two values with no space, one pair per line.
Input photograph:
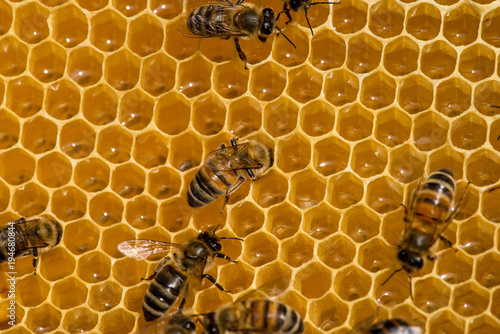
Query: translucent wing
[140,249]
[231,159]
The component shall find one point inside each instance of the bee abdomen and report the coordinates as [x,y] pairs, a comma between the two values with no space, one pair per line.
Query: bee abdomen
[278,317]
[202,190]
[163,292]
[391,326]
[207,21]
[440,184]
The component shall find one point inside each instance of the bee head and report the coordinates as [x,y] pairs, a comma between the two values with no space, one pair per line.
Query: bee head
[410,262]
[49,230]
[210,240]
[296,5]
[268,24]
[263,154]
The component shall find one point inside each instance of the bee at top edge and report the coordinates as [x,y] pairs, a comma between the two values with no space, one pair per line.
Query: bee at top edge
[224,169]
[32,236]
[388,326]
[173,275]
[432,209]
[226,19]
[301,5]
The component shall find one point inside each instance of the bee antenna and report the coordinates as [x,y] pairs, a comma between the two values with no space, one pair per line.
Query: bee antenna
[232,238]
[491,105]
[390,276]
[286,37]
[411,291]
[216,227]
[309,24]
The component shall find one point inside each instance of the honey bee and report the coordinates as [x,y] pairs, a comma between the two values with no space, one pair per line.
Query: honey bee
[226,19]
[301,5]
[388,326]
[432,209]
[253,316]
[28,237]
[173,323]
[172,276]
[223,171]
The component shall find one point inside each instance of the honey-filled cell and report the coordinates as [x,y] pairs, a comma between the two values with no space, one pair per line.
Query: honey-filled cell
[297,250]
[69,293]
[280,117]
[208,114]
[77,139]
[194,76]
[69,203]
[270,189]
[135,110]
[114,144]
[336,251]
[430,131]
[127,180]
[345,190]
[454,267]
[39,135]
[461,24]
[483,324]
[307,189]
[288,55]
[260,248]
[401,56]
[70,26]
[376,255]
[6,17]
[186,151]
[56,264]
[349,16]
[145,35]
[489,27]
[321,221]
[392,127]
[231,79]
[85,66]
[446,321]
[33,290]
[29,200]
[341,87]
[267,81]
[174,214]
[24,96]
[453,97]
[447,157]
[384,194]
[244,116]
[317,118]
[363,53]
[470,300]
[62,100]
[283,221]
[141,212]
[17,166]
[424,21]
[245,218]
[42,319]
[81,236]
[482,168]
[438,60]
[386,18]
[48,61]
[305,84]
[80,320]
[31,22]
[129,7]
[368,159]
[477,63]
[406,163]
[150,149]
[330,156]
[352,283]
[166,9]
[122,70]
[293,153]
[93,267]
[13,52]
[328,312]
[178,46]
[54,170]
[378,90]
[107,30]
[9,129]
[487,273]
[328,50]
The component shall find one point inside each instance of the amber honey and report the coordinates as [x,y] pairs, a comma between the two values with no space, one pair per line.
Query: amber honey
[107,112]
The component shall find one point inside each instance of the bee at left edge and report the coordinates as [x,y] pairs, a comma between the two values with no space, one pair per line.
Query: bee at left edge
[224,169]
[226,19]
[432,209]
[29,236]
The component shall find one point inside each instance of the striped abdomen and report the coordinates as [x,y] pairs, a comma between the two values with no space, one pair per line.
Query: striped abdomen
[20,244]
[166,287]
[435,197]
[270,316]
[207,185]
[393,326]
[210,21]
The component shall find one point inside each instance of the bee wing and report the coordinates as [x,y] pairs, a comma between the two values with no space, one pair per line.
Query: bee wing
[140,249]
[231,159]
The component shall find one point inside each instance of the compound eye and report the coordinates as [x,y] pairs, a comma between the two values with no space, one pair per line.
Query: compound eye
[418,262]
[212,329]
[217,246]
[402,255]
[190,326]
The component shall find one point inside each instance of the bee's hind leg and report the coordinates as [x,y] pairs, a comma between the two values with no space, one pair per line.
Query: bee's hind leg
[242,55]
[35,258]
[447,242]
[224,256]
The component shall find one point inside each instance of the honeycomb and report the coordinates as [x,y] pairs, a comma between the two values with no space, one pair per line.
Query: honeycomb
[107,112]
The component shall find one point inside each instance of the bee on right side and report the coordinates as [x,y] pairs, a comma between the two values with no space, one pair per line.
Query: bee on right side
[301,5]
[388,326]
[432,208]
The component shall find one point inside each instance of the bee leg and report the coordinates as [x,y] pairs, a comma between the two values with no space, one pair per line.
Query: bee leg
[157,269]
[242,55]
[447,242]
[286,10]
[232,188]
[233,141]
[456,209]
[211,279]
[224,256]
[35,258]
